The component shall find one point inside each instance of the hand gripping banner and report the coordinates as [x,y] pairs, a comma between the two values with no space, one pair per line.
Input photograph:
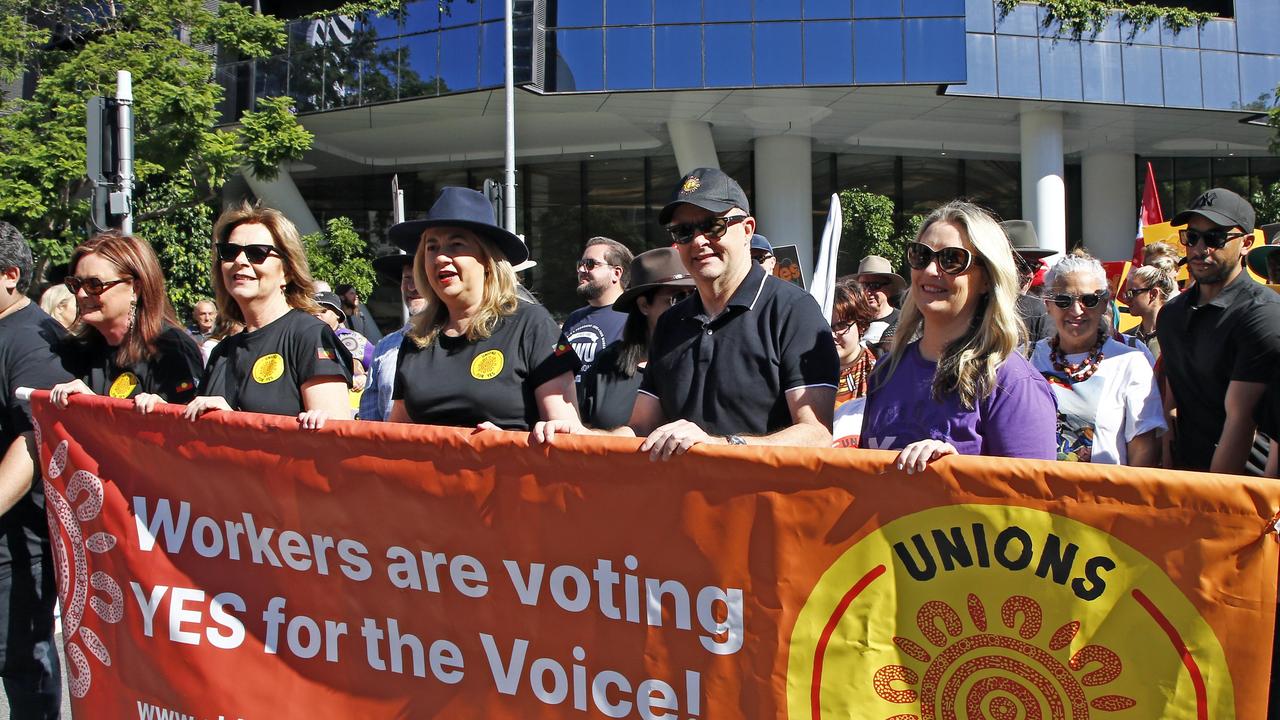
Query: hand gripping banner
[237,567]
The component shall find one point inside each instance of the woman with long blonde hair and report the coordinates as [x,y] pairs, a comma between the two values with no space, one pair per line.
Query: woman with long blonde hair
[285,362]
[476,356]
[954,382]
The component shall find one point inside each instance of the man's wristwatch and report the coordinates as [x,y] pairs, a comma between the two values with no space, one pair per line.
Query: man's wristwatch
[735,440]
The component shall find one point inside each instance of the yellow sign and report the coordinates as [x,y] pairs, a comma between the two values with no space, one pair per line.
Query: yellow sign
[124,386]
[268,368]
[1001,612]
[487,365]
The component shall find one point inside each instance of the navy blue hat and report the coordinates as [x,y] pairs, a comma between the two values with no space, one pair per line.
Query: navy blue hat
[760,242]
[463,208]
[331,301]
[709,189]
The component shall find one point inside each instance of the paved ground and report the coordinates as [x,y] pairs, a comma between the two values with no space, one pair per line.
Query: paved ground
[66,694]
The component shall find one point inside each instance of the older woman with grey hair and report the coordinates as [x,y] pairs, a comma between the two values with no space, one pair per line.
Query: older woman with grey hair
[1109,408]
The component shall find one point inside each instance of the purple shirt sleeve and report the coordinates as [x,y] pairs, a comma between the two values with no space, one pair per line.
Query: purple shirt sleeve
[1020,419]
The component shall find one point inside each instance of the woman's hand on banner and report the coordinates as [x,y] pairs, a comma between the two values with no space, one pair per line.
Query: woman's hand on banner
[917,456]
[146,402]
[60,392]
[204,404]
[312,419]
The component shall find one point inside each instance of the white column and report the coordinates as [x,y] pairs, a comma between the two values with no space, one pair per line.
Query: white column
[693,145]
[1110,204]
[282,194]
[784,194]
[1044,194]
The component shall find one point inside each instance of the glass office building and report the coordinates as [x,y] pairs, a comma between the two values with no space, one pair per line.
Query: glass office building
[921,100]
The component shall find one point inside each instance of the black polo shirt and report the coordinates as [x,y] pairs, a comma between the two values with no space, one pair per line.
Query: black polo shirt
[729,374]
[1236,336]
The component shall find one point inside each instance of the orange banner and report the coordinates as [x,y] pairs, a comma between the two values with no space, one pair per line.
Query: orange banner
[239,568]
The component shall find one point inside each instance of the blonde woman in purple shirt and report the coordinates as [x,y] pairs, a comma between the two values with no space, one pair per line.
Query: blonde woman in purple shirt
[954,382]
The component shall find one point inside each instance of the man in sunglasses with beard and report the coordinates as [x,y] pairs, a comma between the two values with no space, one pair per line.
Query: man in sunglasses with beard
[1220,340]
[748,359]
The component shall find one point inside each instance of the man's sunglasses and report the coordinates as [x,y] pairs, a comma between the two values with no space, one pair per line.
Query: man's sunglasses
[1089,301]
[951,260]
[1213,239]
[92,285]
[712,227]
[255,254]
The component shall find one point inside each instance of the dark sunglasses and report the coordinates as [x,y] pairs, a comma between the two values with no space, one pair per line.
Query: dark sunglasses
[255,254]
[590,264]
[1089,301]
[1132,293]
[92,285]
[875,285]
[712,227]
[1213,239]
[951,260]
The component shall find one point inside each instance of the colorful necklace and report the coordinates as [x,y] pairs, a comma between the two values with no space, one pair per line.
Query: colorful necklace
[1083,370]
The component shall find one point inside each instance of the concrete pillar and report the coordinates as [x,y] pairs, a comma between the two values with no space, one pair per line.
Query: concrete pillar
[282,194]
[1044,194]
[1110,204]
[784,194]
[693,145]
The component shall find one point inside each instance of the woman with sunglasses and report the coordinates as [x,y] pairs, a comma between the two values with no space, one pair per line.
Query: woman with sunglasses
[477,355]
[1109,407]
[1146,291]
[128,343]
[954,381]
[607,391]
[285,362]
[851,315]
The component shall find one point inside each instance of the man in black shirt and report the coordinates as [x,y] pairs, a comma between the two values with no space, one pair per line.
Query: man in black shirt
[748,359]
[602,278]
[1220,340]
[28,661]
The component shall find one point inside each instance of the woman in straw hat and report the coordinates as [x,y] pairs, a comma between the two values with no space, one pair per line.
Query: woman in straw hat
[961,387]
[477,355]
[607,392]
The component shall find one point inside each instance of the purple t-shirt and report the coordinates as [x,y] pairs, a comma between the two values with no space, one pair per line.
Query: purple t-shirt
[1018,419]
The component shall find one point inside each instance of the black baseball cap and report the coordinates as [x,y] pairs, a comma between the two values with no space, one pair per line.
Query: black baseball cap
[1220,207]
[709,189]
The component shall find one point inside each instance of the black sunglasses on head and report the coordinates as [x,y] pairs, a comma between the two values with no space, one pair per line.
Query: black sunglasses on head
[951,260]
[712,227]
[255,254]
[1214,239]
[1089,300]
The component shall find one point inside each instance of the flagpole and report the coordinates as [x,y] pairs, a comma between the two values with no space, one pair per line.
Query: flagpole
[509,184]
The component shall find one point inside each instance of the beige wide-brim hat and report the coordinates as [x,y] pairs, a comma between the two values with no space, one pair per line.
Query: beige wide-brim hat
[874,266]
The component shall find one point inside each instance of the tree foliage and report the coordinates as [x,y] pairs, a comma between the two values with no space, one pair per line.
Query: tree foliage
[1266,203]
[339,256]
[1082,17]
[872,226]
[181,158]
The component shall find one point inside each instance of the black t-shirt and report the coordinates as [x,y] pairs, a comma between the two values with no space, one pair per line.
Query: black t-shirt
[263,371]
[454,381]
[28,358]
[1236,336]
[170,373]
[1035,317]
[590,330]
[605,395]
[729,375]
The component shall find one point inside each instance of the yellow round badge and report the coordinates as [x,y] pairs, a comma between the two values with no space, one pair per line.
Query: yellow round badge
[268,368]
[487,365]
[124,386]
[984,611]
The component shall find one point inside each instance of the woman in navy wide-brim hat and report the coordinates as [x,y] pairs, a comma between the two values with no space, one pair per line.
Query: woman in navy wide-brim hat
[476,355]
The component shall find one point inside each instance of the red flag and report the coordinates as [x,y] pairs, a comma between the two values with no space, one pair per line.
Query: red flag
[1148,214]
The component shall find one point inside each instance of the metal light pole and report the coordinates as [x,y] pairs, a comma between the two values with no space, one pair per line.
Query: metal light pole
[509,184]
[122,200]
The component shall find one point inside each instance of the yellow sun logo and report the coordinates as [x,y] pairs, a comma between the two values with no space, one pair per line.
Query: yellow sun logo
[691,183]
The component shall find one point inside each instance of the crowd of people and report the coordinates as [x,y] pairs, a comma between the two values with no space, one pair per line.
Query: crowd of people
[983,349]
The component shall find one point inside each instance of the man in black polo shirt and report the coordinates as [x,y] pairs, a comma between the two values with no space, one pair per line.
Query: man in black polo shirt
[1220,340]
[28,661]
[748,359]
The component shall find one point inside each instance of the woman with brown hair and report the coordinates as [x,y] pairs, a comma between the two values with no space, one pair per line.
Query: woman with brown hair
[476,356]
[851,315]
[285,362]
[128,343]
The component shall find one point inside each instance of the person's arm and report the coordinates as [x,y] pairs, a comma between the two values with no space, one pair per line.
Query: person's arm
[1237,432]
[557,401]
[17,471]
[371,398]
[811,411]
[324,397]
[1144,450]
[1171,420]
[398,413]
[1273,461]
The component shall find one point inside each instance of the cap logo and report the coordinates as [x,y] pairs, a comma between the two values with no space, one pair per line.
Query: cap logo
[1206,200]
[691,183]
